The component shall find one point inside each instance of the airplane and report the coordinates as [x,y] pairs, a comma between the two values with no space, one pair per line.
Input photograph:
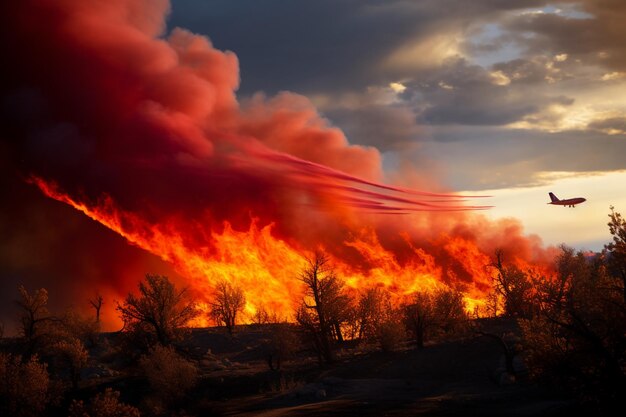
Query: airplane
[570,202]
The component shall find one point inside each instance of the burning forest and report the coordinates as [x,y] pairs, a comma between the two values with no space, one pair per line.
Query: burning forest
[127,143]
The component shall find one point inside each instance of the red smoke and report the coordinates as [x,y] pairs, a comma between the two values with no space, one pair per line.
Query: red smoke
[144,134]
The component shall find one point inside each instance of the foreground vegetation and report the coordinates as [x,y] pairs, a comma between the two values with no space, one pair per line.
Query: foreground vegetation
[565,331]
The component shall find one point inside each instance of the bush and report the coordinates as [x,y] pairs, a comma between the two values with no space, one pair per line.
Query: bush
[69,354]
[390,333]
[284,342]
[23,386]
[106,404]
[169,374]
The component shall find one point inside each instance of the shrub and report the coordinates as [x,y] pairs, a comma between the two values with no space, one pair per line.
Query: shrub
[169,374]
[283,344]
[390,333]
[106,404]
[24,386]
[70,354]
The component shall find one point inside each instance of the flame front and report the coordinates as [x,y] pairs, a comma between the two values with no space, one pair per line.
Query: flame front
[267,268]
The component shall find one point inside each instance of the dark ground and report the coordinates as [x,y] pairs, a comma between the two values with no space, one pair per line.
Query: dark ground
[464,377]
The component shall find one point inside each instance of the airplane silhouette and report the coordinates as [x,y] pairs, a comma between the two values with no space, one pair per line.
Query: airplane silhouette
[570,202]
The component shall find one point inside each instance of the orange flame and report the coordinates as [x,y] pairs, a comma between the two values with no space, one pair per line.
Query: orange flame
[267,267]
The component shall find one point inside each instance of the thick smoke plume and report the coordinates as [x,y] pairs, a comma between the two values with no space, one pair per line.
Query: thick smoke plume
[141,131]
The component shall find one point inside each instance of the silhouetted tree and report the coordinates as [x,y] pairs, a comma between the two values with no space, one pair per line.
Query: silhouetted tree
[160,309]
[34,316]
[261,316]
[616,256]
[419,317]
[96,303]
[439,311]
[370,311]
[229,302]
[514,287]
[325,307]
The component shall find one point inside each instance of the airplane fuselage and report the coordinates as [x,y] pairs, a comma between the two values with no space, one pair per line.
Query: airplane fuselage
[570,202]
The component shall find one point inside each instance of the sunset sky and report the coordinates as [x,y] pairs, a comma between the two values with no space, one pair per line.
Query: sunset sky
[509,98]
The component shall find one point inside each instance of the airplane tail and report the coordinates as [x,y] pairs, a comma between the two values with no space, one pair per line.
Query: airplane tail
[553,197]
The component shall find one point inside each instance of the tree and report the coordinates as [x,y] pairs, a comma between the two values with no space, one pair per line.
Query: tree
[96,303]
[419,317]
[616,260]
[283,343]
[229,302]
[577,340]
[325,306]
[34,316]
[429,313]
[514,287]
[370,311]
[160,310]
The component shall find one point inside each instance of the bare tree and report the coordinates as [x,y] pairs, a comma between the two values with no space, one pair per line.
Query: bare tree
[34,315]
[514,287]
[373,307]
[229,301]
[419,317]
[96,303]
[160,309]
[325,307]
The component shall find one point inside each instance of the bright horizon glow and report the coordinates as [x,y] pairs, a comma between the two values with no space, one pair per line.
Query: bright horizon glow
[583,227]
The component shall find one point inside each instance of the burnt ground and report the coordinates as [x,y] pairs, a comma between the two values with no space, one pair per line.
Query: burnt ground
[464,377]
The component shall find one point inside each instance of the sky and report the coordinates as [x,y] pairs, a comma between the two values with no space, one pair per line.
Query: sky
[509,98]
[221,138]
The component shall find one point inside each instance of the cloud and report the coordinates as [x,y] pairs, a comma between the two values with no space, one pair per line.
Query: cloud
[328,46]
[465,94]
[611,126]
[515,158]
[595,37]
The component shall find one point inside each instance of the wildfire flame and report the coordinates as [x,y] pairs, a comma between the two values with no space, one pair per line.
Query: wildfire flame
[267,267]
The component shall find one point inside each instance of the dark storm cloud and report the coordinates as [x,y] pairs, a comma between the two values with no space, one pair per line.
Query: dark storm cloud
[385,126]
[615,124]
[597,38]
[325,45]
[465,94]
